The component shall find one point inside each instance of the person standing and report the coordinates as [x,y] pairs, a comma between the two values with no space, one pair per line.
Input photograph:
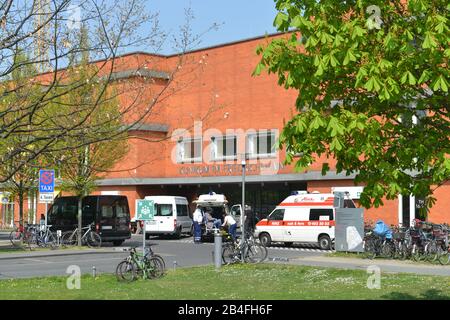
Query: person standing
[197,220]
[229,221]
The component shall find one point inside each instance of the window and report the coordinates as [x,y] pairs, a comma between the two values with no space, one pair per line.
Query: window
[261,144]
[182,210]
[121,211]
[277,215]
[224,147]
[107,211]
[190,150]
[164,210]
[321,214]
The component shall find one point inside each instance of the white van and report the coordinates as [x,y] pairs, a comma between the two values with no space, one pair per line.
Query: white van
[303,217]
[172,216]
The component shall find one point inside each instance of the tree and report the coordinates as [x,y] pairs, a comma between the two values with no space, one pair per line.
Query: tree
[81,167]
[373,95]
[23,180]
[47,31]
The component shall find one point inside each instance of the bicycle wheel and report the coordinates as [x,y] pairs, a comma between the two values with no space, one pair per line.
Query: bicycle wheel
[163,263]
[125,271]
[417,253]
[50,241]
[228,254]
[387,250]
[16,238]
[155,268]
[93,240]
[68,239]
[444,257]
[432,252]
[255,253]
[403,251]
[369,249]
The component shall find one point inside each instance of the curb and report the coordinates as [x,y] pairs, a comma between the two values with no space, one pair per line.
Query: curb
[54,254]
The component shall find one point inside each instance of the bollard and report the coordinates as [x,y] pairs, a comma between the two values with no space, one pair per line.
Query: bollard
[94,272]
[175,265]
[217,249]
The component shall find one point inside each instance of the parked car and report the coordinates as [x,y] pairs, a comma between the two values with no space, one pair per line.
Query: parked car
[110,214]
[172,217]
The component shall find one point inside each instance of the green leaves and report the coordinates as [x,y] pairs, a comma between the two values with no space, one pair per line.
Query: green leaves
[349,56]
[373,84]
[335,127]
[280,21]
[317,122]
[440,84]
[375,76]
[429,42]
[408,77]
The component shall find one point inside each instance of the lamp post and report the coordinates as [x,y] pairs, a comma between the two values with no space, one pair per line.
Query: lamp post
[243,163]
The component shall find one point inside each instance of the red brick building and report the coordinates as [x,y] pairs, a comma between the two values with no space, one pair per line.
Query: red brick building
[225,112]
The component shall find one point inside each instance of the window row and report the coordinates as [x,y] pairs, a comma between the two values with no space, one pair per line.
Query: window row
[258,145]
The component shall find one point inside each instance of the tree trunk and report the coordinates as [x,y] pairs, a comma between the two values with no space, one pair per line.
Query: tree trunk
[21,192]
[80,216]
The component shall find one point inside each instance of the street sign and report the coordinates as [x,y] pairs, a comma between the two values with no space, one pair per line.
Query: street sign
[145,210]
[46,197]
[46,181]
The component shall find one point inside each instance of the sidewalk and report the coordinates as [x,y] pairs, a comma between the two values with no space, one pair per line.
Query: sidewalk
[59,252]
[389,266]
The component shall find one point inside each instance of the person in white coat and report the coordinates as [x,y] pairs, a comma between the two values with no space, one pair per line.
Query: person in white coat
[197,220]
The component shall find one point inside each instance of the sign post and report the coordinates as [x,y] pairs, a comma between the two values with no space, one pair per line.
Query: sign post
[145,212]
[46,188]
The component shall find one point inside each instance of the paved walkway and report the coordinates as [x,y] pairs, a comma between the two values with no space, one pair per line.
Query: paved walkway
[58,252]
[389,266]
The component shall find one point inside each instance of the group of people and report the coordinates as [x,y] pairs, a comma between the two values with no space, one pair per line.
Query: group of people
[202,216]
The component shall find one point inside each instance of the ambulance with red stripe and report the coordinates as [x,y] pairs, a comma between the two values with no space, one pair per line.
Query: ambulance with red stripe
[305,218]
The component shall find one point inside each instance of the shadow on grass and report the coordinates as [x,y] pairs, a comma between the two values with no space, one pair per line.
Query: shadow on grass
[431,294]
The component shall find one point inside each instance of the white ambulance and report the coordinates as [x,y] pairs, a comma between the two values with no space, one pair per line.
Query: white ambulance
[303,217]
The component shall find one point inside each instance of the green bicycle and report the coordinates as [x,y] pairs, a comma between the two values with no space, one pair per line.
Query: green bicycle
[148,266]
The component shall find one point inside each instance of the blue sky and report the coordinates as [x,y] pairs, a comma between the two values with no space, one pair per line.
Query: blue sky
[237,19]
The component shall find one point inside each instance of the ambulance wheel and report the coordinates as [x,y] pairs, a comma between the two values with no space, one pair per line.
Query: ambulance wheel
[265,239]
[324,242]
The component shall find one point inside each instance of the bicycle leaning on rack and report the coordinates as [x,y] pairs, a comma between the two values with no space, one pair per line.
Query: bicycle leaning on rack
[147,266]
[89,237]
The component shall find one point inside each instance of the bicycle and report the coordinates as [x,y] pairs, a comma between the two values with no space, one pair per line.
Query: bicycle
[375,245]
[138,264]
[21,234]
[42,236]
[253,252]
[89,237]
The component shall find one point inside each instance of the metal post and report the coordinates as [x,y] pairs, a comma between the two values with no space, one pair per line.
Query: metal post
[243,208]
[143,237]
[217,249]
[46,209]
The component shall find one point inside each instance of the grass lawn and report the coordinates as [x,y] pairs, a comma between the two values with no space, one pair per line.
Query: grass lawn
[265,281]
